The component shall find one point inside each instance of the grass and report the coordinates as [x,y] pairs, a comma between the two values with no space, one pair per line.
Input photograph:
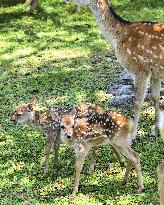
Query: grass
[59,56]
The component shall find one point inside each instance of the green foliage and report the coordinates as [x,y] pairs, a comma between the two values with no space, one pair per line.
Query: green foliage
[59,55]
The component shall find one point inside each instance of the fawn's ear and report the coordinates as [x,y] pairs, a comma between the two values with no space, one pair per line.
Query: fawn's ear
[32,103]
[73,111]
[56,116]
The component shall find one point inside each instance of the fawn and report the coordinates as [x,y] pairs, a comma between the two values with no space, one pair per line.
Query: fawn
[139,48]
[107,128]
[48,122]
[160,168]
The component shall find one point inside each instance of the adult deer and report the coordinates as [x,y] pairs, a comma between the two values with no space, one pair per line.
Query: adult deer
[160,168]
[139,48]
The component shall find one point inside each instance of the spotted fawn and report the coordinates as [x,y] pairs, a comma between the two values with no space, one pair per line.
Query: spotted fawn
[111,128]
[48,122]
[139,48]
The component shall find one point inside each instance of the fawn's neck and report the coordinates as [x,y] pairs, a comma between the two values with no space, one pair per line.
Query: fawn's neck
[112,26]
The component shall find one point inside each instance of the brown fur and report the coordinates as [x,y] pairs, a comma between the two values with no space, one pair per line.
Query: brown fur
[48,122]
[105,128]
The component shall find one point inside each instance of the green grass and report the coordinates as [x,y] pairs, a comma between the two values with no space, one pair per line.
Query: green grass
[52,54]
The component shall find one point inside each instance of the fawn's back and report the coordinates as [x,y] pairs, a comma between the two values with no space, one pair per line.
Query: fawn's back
[96,130]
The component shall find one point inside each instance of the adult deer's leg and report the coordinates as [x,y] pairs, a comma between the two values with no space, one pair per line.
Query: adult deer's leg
[49,144]
[155,91]
[80,158]
[160,171]
[140,87]
[117,153]
[56,149]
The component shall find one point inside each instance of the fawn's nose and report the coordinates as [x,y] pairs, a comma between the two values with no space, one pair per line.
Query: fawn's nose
[13,120]
[68,136]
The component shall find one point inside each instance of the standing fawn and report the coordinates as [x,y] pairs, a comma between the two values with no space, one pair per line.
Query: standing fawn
[160,168]
[107,128]
[139,48]
[48,122]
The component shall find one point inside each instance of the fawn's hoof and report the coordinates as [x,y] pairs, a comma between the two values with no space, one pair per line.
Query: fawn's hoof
[122,164]
[154,133]
[75,190]
[124,182]
[46,170]
[91,169]
[140,190]
[56,165]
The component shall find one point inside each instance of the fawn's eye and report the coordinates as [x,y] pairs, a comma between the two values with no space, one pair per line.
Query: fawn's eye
[73,126]
[62,126]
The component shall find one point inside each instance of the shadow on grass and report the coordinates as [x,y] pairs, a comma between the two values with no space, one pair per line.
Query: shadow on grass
[8,3]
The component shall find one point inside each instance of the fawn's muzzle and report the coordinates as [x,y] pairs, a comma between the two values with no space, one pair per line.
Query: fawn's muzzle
[68,136]
[13,120]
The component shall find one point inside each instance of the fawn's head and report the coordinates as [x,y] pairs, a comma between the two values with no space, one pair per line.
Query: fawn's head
[24,112]
[67,122]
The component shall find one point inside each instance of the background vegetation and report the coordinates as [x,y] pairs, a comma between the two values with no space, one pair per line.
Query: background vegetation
[60,56]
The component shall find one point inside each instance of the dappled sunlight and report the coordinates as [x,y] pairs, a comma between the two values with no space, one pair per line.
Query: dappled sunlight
[61,57]
[65,54]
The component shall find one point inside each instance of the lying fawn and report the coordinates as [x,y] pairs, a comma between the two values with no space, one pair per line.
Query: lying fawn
[139,48]
[107,128]
[160,168]
[48,122]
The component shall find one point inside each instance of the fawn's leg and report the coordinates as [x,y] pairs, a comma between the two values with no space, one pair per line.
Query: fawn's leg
[80,157]
[93,159]
[49,144]
[140,88]
[78,8]
[155,91]
[117,153]
[127,173]
[56,149]
[132,156]
[160,171]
